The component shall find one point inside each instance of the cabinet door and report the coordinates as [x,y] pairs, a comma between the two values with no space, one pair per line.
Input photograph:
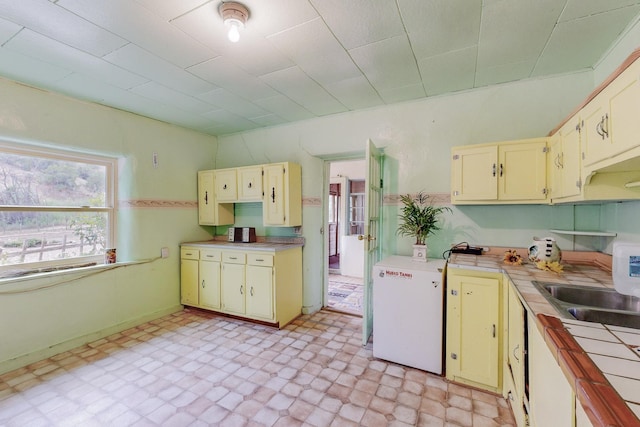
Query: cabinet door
[226,185]
[250,184]
[210,284]
[571,184]
[522,171]
[554,167]
[551,397]
[473,314]
[274,195]
[474,173]
[624,104]
[595,137]
[189,281]
[515,343]
[260,292]
[206,199]
[233,288]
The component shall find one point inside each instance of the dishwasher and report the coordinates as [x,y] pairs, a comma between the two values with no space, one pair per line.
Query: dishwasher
[408,312]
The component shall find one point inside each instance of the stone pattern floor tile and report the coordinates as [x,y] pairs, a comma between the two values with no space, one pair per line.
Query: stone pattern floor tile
[195,368]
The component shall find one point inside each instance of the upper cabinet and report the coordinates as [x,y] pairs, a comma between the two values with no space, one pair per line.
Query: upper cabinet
[282,196]
[506,172]
[219,189]
[564,175]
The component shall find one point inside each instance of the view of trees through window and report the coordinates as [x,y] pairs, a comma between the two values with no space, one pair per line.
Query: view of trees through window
[47,208]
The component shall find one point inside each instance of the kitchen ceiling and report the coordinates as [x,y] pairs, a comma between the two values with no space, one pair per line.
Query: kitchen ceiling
[296,59]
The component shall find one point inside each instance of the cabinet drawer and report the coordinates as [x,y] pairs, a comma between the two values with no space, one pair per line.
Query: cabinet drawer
[210,255]
[260,259]
[234,258]
[189,253]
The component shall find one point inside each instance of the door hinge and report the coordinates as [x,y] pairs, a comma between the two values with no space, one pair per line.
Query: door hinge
[456,156]
[454,356]
[454,292]
[381,183]
[579,184]
[545,149]
[545,191]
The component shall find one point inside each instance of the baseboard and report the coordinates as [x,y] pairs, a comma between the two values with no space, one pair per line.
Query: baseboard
[310,309]
[35,356]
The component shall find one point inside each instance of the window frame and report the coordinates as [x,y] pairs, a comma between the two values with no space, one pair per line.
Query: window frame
[111,169]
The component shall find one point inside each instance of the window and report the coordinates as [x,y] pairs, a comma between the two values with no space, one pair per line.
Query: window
[56,208]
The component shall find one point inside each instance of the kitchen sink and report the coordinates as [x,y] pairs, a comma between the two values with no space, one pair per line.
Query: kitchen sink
[593,297]
[592,304]
[608,317]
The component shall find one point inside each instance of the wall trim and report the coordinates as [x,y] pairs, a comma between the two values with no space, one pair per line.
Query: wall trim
[150,203]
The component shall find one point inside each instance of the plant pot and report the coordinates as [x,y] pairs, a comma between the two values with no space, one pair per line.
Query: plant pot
[419,253]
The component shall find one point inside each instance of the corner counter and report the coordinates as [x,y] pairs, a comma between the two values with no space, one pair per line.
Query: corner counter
[607,380]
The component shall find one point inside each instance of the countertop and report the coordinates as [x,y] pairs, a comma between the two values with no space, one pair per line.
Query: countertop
[613,350]
[266,244]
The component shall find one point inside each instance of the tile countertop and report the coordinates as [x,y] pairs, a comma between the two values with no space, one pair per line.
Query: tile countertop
[267,244]
[615,351]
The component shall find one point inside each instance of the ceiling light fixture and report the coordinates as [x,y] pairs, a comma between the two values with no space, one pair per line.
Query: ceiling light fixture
[234,15]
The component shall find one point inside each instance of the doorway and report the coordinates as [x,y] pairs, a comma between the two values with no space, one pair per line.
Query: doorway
[345,224]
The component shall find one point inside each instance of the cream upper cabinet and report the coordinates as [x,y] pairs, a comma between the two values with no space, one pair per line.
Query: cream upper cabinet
[611,125]
[250,184]
[226,185]
[506,172]
[473,344]
[282,203]
[210,212]
[564,172]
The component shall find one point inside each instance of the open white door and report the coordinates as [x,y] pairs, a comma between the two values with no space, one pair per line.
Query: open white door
[373,204]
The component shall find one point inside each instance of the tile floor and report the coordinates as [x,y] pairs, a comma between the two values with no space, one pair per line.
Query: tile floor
[194,368]
[345,294]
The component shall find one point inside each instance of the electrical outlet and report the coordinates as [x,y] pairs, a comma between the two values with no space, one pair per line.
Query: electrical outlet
[164,252]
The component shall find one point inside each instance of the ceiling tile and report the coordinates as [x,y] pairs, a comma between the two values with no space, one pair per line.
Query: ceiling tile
[29,70]
[582,8]
[504,73]
[284,107]
[573,44]
[388,64]
[441,26]
[157,92]
[403,93]
[227,122]
[295,42]
[270,17]
[295,84]
[139,61]
[233,103]
[449,72]
[7,30]
[57,23]
[360,22]
[138,25]
[268,120]
[47,50]
[355,93]
[223,73]
[169,9]
[514,32]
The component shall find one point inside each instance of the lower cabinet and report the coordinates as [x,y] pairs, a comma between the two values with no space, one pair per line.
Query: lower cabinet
[474,329]
[551,397]
[264,286]
[516,359]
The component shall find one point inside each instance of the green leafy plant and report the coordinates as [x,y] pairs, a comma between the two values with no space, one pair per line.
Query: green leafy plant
[419,218]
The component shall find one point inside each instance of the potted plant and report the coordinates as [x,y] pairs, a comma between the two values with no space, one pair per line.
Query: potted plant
[419,219]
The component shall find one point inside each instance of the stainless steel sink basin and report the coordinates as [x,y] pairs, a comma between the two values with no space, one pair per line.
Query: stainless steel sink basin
[593,297]
[608,317]
[592,304]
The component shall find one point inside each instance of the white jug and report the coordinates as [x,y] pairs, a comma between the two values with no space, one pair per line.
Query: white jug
[544,249]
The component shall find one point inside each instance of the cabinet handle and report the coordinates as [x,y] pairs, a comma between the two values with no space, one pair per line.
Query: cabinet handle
[233,257]
[273,194]
[259,260]
[224,187]
[251,291]
[501,169]
[202,283]
[241,290]
[494,331]
[493,170]
[249,185]
[605,129]
[206,197]
[515,354]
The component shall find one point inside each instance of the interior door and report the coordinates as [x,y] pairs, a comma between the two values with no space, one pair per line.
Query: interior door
[373,204]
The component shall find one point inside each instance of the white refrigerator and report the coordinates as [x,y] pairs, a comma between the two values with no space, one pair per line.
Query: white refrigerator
[408,312]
